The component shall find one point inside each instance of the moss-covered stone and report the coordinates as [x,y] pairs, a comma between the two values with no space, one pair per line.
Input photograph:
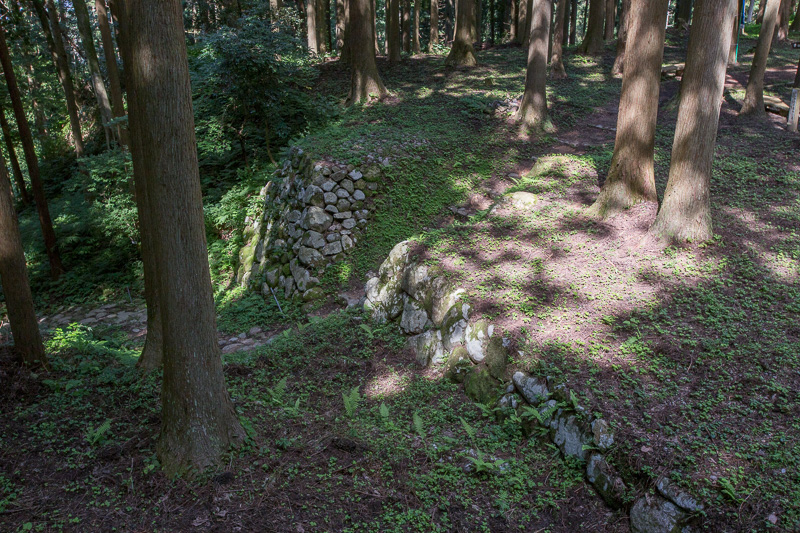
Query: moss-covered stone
[496,358]
[481,387]
[458,365]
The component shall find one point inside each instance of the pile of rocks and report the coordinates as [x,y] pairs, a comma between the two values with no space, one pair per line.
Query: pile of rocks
[311,213]
[435,315]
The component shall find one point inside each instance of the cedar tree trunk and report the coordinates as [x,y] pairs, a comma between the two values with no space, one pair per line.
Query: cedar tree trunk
[407,26]
[611,19]
[117,104]
[622,39]
[14,279]
[685,214]
[198,422]
[557,71]
[754,95]
[462,53]
[56,268]
[393,32]
[364,80]
[415,35]
[434,38]
[631,178]
[573,22]
[12,155]
[782,26]
[311,26]
[593,40]
[533,108]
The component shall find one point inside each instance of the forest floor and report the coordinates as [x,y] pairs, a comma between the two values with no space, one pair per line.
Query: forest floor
[692,353]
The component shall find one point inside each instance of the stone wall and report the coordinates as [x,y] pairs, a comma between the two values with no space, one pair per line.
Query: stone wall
[311,213]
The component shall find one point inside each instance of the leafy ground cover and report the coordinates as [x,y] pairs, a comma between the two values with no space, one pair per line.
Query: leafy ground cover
[691,353]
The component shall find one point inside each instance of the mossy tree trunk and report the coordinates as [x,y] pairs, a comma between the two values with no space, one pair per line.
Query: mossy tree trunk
[631,178]
[462,53]
[685,214]
[14,279]
[198,422]
[533,108]
[754,94]
[365,82]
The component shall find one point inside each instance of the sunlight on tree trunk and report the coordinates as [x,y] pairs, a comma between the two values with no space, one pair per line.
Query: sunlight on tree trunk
[462,54]
[685,214]
[14,279]
[533,108]
[631,176]
[198,422]
[365,82]
[754,95]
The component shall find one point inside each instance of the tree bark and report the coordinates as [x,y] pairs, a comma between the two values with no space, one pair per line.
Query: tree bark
[434,38]
[557,71]
[12,156]
[732,55]
[340,7]
[407,26]
[117,103]
[365,82]
[14,279]
[593,40]
[87,38]
[311,26]
[573,23]
[58,53]
[513,21]
[611,19]
[393,43]
[631,177]
[322,27]
[782,25]
[198,422]
[415,41]
[462,53]
[567,11]
[685,214]
[754,95]
[46,223]
[533,108]
[622,39]
[526,23]
[683,12]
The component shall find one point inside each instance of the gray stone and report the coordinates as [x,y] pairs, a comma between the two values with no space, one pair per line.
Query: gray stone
[343,216]
[533,389]
[313,196]
[414,318]
[443,298]
[342,193]
[326,171]
[568,435]
[359,196]
[496,358]
[331,209]
[301,275]
[654,514]
[372,174]
[522,200]
[355,175]
[343,205]
[603,436]
[330,198]
[482,387]
[314,293]
[332,248]
[332,237]
[349,223]
[508,400]
[328,186]
[313,239]
[361,214]
[372,186]
[605,480]
[316,219]
[383,292]
[293,217]
[347,242]
[288,287]
[417,281]
[272,278]
[679,497]
[457,365]
[454,325]
[255,330]
[427,347]
[309,256]
[476,338]
[347,185]
[338,176]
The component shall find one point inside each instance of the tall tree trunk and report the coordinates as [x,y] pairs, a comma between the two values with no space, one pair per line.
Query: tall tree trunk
[152,355]
[462,53]
[556,59]
[593,40]
[198,423]
[14,279]
[434,38]
[573,23]
[533,108]
[622,38]
[393,43]
[683,12]
[344,54]
[565,33]
[117,104]
[322,27]
[340,9]
[58,53]
[50,244]
[415,44]
[732,51]
[311,26]
[406,26]
[611,19]
[782,25]
[631,177]
[374,8]
[754,95]
[513,21]
[760,14]
[685,214]
[364,80]
[12,156]
[526,33]
[87,38]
